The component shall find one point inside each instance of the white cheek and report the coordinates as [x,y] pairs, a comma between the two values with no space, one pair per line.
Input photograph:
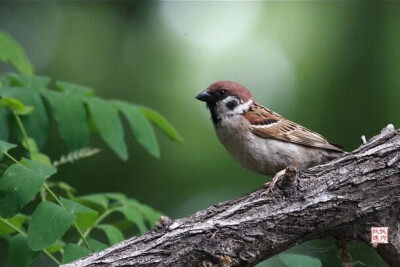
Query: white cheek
[223,111]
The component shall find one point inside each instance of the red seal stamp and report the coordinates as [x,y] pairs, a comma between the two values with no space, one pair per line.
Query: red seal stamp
[379,235]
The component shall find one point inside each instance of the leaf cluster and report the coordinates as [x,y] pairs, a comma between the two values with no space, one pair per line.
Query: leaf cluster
[39,214]
[78,113]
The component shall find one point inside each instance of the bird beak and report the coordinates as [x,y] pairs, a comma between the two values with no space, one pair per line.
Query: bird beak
[204,96]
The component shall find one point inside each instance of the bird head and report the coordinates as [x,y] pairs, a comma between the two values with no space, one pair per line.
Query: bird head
[226,99]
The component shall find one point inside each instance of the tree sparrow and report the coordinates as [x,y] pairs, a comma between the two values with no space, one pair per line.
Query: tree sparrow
[259,139]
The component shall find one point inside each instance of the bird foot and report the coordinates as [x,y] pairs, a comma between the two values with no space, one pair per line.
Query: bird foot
[270,186]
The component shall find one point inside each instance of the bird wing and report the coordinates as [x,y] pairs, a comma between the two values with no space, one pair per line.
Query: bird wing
[268,124]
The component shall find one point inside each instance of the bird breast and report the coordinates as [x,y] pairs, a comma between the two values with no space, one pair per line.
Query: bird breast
[263,155]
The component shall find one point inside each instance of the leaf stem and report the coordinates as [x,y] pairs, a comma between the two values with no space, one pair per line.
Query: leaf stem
[99,219]
[42,195]
[11,157]
[24,234]
[23,131]
[25,135]
[74,223]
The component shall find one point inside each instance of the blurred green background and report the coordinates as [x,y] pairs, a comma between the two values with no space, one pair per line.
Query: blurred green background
[330,66]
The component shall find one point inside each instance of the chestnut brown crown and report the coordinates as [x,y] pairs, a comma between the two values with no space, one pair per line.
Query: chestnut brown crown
[231,88]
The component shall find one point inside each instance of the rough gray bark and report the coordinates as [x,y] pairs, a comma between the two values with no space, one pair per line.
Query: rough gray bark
[344,197]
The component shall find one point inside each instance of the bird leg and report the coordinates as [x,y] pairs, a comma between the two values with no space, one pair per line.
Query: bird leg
[271,185]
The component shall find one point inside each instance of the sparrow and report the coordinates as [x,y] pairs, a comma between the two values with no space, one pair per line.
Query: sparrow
[260,139]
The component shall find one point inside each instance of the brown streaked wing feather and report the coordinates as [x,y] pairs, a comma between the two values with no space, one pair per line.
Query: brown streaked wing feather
[268,124]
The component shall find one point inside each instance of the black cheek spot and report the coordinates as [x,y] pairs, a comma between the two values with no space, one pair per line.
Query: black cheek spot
[232,104]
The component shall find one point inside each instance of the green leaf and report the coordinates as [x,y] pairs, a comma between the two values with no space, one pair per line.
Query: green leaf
[4,81]
[18,220]
[65,187]
[363,253]
[162,123]
[113,234]
[105,116]
[12,52]
[150,214]
[146,212]
[294,260]
[140,127]
[41,158]
[133,215]
[42,169]
[74,89]
[116,196]
[85,216]
[75,207]
[49,223]
[96,245]
[5,146]
[16,106]
[4,129]
[96,199]
[56,246]
[323,249]
[73,252]
[12,103]
[26,111]
[18,186]
[274,261]
[20,253]
[33,82]
[36,124]
[30,145]
[70,115]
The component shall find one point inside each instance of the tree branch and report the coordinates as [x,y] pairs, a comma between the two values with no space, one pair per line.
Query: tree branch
[344,197]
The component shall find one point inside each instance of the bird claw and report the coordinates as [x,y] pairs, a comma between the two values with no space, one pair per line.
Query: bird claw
[270,186]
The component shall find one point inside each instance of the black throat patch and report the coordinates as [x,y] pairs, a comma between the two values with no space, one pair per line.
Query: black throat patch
[212,107]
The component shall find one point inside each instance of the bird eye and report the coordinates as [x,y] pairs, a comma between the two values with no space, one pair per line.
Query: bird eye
[222,92]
